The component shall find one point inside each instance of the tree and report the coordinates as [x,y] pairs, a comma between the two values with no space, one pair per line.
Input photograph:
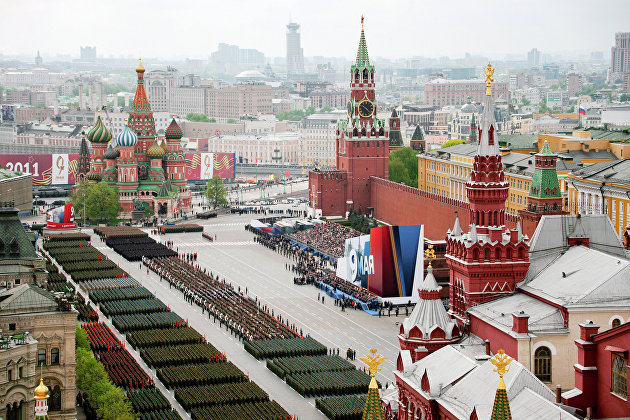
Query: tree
[101,201]
[197,117]
[403,166]
[452,142]
[215,192]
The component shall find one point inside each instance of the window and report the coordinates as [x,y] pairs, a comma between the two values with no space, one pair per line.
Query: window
[542,364]
[54,356]
[616,322]
[41,357]
[619,377]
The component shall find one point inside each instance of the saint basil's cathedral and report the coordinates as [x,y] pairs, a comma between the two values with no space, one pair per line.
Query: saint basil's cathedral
[146,172]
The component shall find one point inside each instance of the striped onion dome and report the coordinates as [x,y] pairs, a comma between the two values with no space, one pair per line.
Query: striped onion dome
[173,132]
[111,152]
[155,151]
[99,133]
[126,138]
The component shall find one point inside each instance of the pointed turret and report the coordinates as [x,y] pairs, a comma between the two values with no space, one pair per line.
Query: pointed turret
[83,165]
[501,407]
[363,59]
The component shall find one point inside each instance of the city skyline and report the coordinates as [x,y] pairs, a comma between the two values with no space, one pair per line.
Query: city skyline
[394,31]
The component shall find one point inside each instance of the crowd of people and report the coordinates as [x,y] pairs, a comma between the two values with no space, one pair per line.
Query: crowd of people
[328,238]
[243,316]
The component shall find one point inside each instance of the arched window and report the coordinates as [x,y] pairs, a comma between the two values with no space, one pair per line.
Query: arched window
[542,364]
[54,399]
[619,377]
[616,322]
[41,357]
[54,356]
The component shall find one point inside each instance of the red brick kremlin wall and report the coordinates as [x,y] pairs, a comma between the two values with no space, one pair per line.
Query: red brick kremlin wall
[399,204]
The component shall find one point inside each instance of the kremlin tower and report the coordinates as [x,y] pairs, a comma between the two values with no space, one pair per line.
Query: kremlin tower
[362,146]
[488,244]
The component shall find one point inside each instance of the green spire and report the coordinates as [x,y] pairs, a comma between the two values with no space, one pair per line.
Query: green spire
[363,60]
[501,407]
[545,179]
[373,409]
[545,150]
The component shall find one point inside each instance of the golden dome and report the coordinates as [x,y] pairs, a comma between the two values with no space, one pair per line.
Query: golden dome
[140,68]
[41,392]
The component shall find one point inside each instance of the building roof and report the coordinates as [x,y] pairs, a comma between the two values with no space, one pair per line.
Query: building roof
[15,244]
[26,298]
[578,155]
[430,312]
[583,276]
[551,238]
[518,141]
[543,317]
[462,381]
[611,172]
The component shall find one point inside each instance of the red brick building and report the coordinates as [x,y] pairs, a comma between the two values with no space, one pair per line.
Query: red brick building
[602,372]
[362,145]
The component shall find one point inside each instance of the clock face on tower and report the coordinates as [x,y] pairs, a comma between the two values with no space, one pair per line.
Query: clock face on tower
[366,108]
[350,108]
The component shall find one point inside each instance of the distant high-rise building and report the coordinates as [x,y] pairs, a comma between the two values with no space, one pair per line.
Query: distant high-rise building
[38,60]
[295,54]
[88,54]
[232,54]
[533,57]
[620,56]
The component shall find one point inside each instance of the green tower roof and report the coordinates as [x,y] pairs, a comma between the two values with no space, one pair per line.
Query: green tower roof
[363,59]
[545,182]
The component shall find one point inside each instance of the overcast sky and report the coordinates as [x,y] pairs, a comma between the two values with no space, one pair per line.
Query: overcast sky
[394,28]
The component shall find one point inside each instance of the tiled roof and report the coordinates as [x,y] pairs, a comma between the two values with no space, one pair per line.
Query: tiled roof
[14,242]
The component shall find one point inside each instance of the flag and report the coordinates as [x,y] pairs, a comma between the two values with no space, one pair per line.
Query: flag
[582,111]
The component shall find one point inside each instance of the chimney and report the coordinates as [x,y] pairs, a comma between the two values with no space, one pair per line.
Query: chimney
[558,394]
[520,322]
[487,343]
[587,329]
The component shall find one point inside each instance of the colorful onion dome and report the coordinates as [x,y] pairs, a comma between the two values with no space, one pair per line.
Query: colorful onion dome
[155,151]
[41,392]
[99,133]
[140,68]
[111,152]
[93,176]
[126,138]
[173,132]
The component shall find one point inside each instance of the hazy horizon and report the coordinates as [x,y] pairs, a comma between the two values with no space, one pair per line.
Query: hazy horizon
[394,29]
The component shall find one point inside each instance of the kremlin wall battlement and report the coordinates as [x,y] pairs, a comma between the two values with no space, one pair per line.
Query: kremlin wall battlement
[398,204]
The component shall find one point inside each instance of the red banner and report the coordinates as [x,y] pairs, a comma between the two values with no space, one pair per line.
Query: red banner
[60,169]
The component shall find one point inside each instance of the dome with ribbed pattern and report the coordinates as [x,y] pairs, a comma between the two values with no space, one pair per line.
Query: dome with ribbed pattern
[111,152]
[155,151]
[99,133]
[126,138]
[173,132]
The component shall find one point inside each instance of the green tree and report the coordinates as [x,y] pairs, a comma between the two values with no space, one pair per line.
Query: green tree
[542,107]
[453,142]
[215,192]
[101,201]
[197,117]
[403,166]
